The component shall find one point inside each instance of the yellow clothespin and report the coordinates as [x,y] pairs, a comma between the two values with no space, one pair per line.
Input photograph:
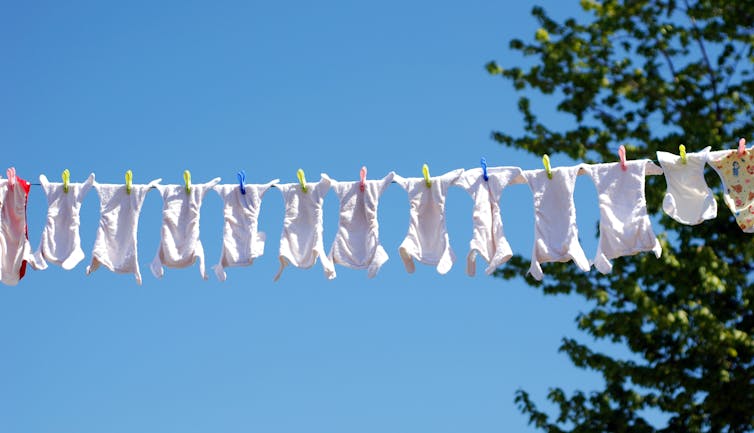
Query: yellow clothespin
[301,179]
[682,151]
[129,181]
[187,180]
[425,172]
[548,168]
[66,178]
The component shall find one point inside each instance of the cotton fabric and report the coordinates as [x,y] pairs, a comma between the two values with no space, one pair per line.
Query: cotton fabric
[15,250]
[242,240]
[737,174]
[115,246]
[357,242]
[625,227]
[180,245]
[427,240]
[688,199]
[60,243]
[556,235]
[488,238]
[301,240]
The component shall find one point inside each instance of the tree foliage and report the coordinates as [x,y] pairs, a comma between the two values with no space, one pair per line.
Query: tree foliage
[650,75]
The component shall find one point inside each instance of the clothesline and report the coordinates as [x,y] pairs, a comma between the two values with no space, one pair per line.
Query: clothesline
[625,226]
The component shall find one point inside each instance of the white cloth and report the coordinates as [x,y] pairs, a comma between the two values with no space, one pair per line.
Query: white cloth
[625,228]
[242,241]
[556,235]
[688,199]
[488,237]
[427,240]
[180,245]
[61,242]
[357,242]
[15,250]
[115,246]
[301,241]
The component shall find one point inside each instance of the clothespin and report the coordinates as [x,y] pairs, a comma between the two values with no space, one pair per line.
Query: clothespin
[241,179]
[187,180]
[546,163]
[425,172]
[682,151]
[301,179]
[11,173]
[484,169]
[363,176]
[741,146]
[129,181]
[66,176]
[622,156]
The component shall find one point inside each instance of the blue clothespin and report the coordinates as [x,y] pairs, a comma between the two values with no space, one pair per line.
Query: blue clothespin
[241,179]
[484,169]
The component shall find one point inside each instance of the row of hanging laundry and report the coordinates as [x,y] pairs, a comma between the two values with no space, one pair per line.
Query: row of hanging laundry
[625,227]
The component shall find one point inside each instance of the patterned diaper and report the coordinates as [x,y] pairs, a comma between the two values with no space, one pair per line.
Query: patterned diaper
[737,174]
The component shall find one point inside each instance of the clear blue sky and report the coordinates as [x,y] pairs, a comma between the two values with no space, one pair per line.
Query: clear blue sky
[216,87]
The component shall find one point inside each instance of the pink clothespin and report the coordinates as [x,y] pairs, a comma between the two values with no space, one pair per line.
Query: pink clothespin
[11,173]
[622,155]
[363,175]
[741,146]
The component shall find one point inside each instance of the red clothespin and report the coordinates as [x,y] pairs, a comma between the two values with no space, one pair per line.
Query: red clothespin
[622,155]
[363,175]
[11,173]
[741,146]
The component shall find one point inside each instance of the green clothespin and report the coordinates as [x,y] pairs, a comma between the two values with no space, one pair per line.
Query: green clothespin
[66,176]
[129,181]
[301,179]
[425,172]
[187,180]
[548,168]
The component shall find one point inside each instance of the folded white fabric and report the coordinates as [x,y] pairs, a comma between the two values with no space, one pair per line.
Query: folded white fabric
[556,235]
[242,241]
[115,246]
[625,227]
[488,238]
[180,245]
[688,199]
[357,242]
[427,239]
[15,250]
[301,241]
[61,242]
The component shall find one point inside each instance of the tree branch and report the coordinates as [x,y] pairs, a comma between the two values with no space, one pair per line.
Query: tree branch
[710,70]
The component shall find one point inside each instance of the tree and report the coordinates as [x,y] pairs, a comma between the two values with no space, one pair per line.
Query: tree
[650,75]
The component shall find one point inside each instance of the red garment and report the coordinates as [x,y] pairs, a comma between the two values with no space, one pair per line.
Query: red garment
[14,235]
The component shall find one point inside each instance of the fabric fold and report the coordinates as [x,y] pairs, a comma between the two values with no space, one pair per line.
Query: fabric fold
[488,237]
[556,235]
[115,246]
[301,241]
[427,240]
[357,242]
[688,199]
[60,243]
[180,245]
[242,241]
[625,227]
